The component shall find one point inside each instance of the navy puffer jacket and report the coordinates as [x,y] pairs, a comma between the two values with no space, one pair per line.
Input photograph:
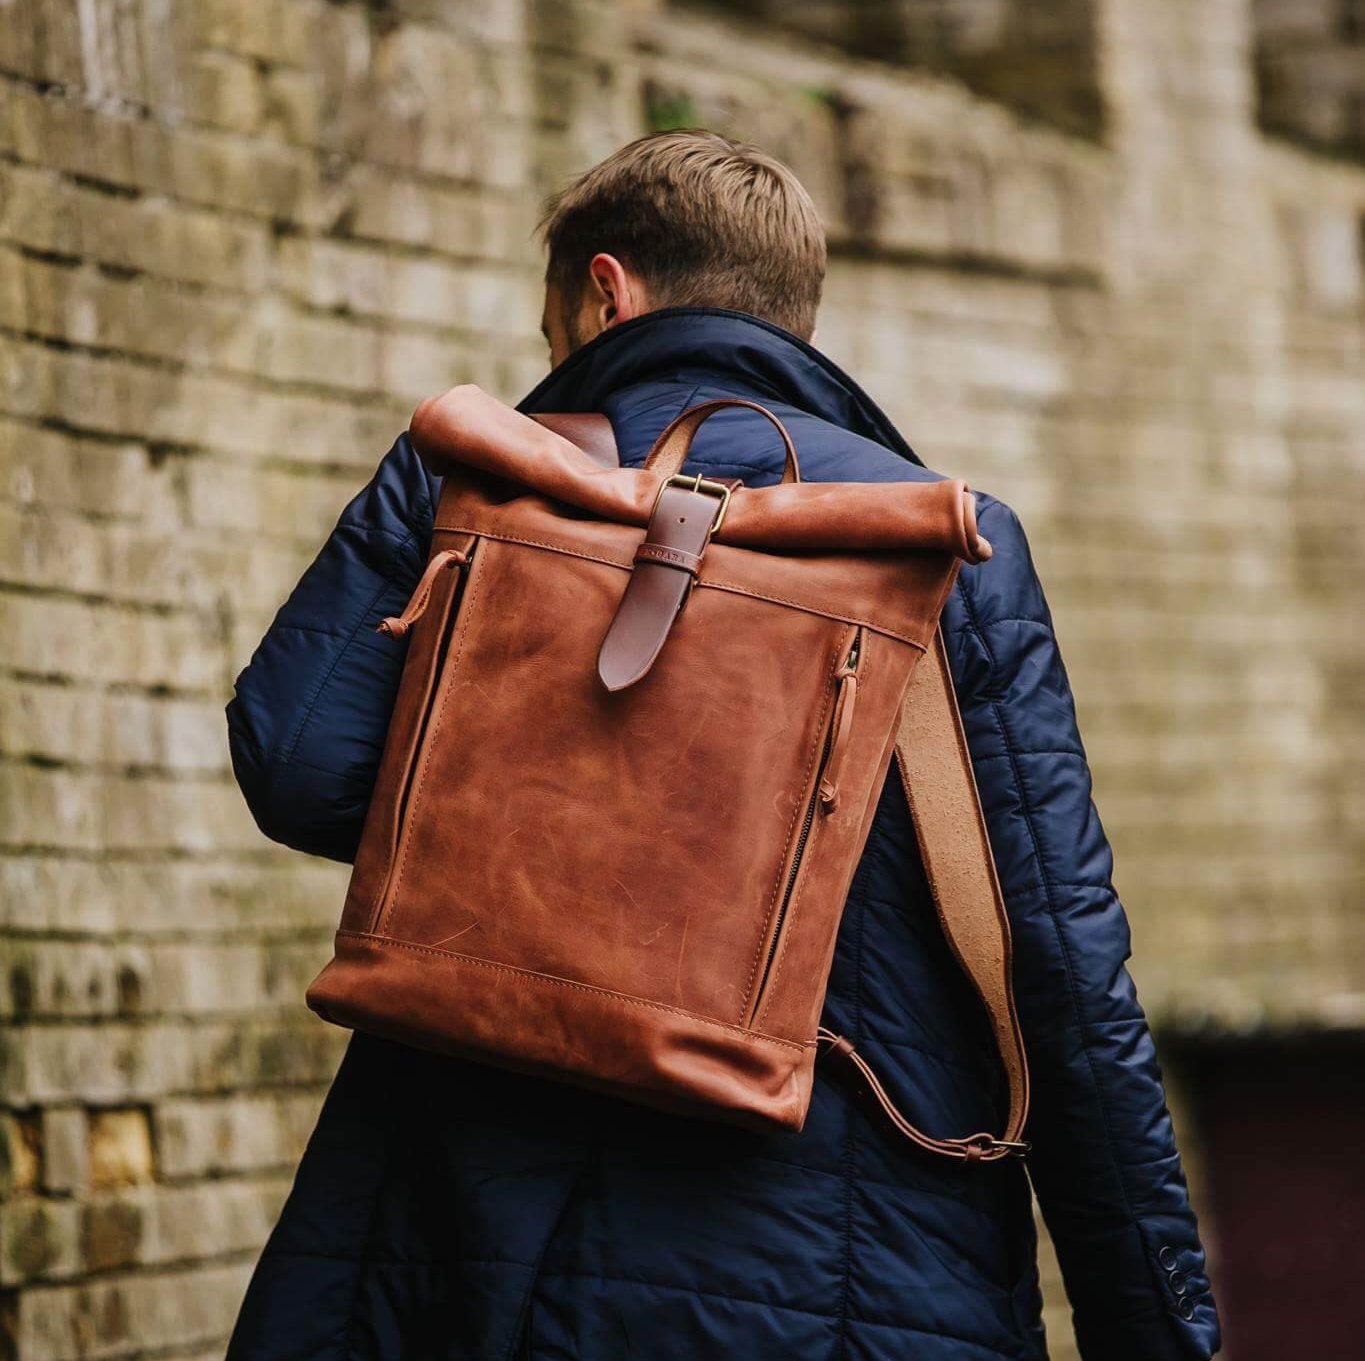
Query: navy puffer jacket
[444,1210]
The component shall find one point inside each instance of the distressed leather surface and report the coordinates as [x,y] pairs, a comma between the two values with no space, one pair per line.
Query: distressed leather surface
[612,873]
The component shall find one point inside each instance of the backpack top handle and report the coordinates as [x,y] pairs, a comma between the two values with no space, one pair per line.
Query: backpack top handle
[672,447]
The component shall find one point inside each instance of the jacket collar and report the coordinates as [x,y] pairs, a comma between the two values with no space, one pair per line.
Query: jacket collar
[742,353]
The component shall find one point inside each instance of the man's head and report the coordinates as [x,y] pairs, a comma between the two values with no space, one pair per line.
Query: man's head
[680,219]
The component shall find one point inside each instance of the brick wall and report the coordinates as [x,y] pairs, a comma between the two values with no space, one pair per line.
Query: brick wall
[238,241]
[1310,63]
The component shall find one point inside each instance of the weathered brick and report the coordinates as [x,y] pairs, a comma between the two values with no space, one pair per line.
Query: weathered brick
[20,1152]
[82,978]
[120,1148]
[112,1233]
[298,505]
[285,34]
[47,892]
[211,1136]
[47,212]
[127,1061]
[112,1316]
[293,106]
[38,1238]
[464,222]
[92,811]
[55,637]
[114,397]
[140,317]
[161,1226]
[350,278]
[227,91]
[174,241]
[66,1150]
[72,723]
[42,467]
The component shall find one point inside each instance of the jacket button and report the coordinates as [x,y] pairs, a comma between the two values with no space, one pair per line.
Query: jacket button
[1178,1283]
[1185,1308]
[1167,1257]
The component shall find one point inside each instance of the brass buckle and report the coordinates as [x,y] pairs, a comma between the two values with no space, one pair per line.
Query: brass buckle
[696,482]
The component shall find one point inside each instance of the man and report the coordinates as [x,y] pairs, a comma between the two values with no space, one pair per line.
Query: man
[448,1210]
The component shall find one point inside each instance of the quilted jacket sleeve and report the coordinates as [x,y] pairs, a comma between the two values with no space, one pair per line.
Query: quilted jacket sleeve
[307,724]
[1104,1161]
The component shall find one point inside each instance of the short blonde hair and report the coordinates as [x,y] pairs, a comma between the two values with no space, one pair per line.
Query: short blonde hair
[704,221]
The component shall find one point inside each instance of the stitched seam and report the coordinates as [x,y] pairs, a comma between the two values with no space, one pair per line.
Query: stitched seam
[521,1337]
[363,1262]
[911,1190]
[979,626]
[360,528]
[394,1261]
[367,781]
[716,585]
[1069,883]
[799,893]
[850,1158]
[797,811]
[1050,898]
[309,628]
[962,1065]
[425,484]
[1033,751]
[288,753]
[755,1036]
[443,681]
[505,537]
[991,1350]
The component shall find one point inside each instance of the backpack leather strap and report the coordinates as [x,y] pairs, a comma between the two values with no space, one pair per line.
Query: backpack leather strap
[940,789]
[665,566]
[940,784]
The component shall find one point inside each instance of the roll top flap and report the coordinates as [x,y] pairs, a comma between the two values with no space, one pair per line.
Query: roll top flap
[467,431]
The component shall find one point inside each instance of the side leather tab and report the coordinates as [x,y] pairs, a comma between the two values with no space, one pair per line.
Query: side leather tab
[666,565]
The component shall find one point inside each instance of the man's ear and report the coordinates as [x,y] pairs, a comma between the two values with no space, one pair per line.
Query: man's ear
[617,293]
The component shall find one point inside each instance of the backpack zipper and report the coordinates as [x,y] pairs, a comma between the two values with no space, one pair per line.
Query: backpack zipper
[460,563]
[848,669]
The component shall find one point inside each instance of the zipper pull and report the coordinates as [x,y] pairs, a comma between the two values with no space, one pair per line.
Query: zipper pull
[847,676]
[397,625]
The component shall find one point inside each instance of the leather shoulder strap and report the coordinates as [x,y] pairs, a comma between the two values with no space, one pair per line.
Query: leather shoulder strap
[940,788]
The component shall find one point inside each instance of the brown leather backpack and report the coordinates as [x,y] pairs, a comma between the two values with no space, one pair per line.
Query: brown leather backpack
[637,748]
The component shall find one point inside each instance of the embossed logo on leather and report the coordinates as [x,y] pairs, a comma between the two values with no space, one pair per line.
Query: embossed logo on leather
[667,557]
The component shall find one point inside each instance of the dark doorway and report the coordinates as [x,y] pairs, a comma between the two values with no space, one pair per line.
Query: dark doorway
[1284,1132]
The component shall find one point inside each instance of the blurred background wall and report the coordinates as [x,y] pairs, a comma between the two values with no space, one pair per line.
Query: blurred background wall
[1102,257]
